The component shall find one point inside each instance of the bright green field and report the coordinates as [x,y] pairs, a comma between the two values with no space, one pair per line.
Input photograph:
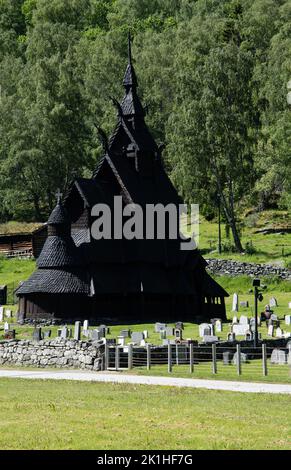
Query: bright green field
[75,415]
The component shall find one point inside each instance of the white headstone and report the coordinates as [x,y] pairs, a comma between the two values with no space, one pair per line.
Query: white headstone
[86,325]
[77,331]
[240,330]
[121,340]
[8,313]
[146,334]
[289,304]
[210,339]
[278,357]
[218,326]
[6,326]
[235,303]
[204,330]
[273,302]
[234,320]
[1,314]
[288,319]
[279,333]
[244,320]
[271,330]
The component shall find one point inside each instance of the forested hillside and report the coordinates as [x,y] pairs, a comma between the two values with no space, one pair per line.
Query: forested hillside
[213,74]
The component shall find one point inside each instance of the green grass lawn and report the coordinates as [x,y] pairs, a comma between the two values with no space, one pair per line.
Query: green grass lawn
[74,415]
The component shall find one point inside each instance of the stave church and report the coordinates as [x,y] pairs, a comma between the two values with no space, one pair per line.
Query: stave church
[119,280]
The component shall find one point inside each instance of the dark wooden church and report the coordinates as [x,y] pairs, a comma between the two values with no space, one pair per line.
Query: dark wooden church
[119,280]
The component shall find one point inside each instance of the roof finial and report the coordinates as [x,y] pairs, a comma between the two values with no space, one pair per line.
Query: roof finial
[129,48]
[59,196]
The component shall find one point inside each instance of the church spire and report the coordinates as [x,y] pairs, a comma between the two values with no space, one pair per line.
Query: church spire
[130,80]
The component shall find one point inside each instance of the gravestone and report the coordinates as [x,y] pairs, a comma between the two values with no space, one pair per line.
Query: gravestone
[234,320]
[178,334]
[142,343]
[8,313]
[65,332]
[249,336]
[36,335]
[111,341]
[218,326]
[86,325]
[278,357]
[1,314]
[179,325]
[77,331]
[159,327]
[288,320]
[47,334]
[244,320]
[231,337]
[279,333]
[210,339]
[227,357]
[121,340]
[204,329]
[240,330]
[102,329]
[289,304]
[137,337]
[271,330]
[125,333]
[6,326]
[243,358]
[273,302]
[170,331]
[96,335]
[244,304]
[163,334]
[235,303]
[146,334]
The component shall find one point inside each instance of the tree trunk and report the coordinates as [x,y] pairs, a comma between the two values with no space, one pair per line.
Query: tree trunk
[37,211]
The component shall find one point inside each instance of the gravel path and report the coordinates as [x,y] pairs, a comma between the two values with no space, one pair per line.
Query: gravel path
[77,375]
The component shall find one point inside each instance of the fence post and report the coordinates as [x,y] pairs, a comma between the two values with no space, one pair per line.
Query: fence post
[264,356]
[191,358]
[148,356]
[214,359]
[169,358]
[130,356]
[177,354]
[117,357]
[106,358]
[238,360]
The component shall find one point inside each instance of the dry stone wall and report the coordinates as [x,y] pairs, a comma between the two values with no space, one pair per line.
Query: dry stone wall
[56,353]
[237,268]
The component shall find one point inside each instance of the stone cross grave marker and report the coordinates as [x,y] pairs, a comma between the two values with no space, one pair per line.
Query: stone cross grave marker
[273,302]
[77,331]
[235,303]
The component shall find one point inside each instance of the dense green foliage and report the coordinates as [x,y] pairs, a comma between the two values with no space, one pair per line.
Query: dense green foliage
[212,72]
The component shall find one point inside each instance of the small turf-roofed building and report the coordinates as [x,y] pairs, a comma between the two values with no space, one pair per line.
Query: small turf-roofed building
[119,280]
